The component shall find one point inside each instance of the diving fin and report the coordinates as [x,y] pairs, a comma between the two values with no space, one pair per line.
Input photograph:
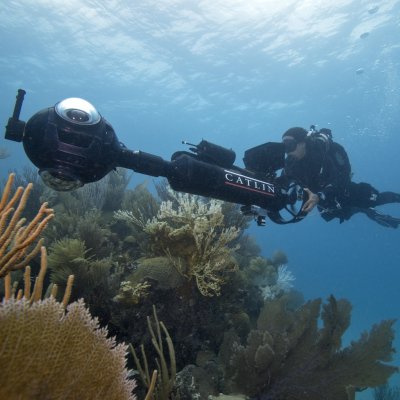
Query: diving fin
[382,219]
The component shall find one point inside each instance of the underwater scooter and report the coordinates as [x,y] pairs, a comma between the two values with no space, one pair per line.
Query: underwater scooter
[72,144]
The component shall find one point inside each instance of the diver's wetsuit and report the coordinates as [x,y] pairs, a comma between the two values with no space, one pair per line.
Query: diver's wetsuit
[328,175]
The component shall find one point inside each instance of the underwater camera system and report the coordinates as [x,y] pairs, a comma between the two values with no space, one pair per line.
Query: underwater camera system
[72,144]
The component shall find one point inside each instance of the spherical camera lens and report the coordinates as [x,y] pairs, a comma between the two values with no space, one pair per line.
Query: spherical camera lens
[77,115]
[77,111]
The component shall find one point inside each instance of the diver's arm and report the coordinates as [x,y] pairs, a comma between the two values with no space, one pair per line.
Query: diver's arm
[311,202]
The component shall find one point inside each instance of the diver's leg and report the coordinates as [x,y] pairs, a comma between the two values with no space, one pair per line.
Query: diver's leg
[387,197]
[385,220]
[364,195]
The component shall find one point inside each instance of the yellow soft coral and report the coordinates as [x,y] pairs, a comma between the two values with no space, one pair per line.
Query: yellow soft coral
[192,234]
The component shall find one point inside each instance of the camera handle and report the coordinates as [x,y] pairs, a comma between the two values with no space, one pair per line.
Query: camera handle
[187,173]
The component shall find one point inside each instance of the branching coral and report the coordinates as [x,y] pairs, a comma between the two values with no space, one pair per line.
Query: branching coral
[140,203]
[38,193]
[289,357]
[281,283]
[194,237]
[37,292]
[85,213]
[17,240]
[166,371]
[132,293]
[105,194]
[271,275]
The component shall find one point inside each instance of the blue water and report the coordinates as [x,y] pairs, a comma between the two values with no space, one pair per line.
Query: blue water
[238,73]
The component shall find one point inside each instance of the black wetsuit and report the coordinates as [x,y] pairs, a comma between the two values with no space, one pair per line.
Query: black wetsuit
[328,174]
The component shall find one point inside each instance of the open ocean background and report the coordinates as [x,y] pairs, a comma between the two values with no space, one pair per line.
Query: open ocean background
[237,73]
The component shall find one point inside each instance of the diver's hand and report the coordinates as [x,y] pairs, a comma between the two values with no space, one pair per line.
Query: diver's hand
[311,202]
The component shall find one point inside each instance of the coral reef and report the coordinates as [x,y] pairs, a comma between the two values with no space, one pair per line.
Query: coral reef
[106,194]
[166,372]
[193,237]
[96,279]
[37,292]
[288,356]
[272,276]
[18,242]
[236,323]
[149,273]
[69,256]
[54,352]
[39,193]
[141,203]
[385,392]
[157,268]
[281,284]
[86,213]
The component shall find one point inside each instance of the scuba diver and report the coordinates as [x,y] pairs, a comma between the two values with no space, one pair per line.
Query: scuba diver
[322,167]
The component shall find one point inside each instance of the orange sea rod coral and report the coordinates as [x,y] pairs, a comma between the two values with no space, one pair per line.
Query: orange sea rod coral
[17,240]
